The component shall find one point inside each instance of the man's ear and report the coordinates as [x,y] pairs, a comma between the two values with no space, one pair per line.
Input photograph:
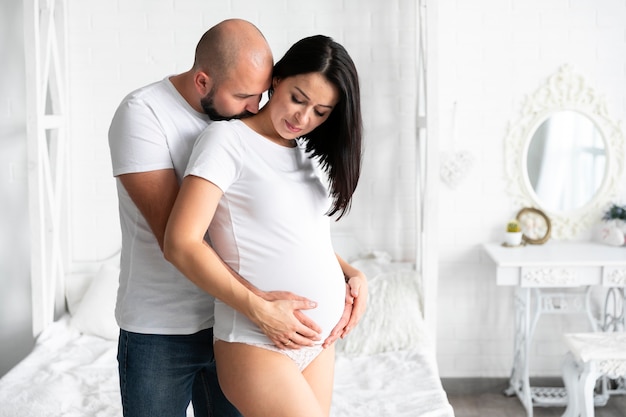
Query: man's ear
[203,82]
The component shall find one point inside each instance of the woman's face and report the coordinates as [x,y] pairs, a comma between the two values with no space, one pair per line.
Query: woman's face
[301,103]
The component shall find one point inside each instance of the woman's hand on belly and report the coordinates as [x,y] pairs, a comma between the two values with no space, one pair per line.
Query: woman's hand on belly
[355,304]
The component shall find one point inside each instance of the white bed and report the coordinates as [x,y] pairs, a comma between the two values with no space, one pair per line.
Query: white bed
[386,367]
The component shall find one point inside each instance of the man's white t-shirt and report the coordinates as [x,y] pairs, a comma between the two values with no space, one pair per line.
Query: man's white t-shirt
[154,128]
[270,225]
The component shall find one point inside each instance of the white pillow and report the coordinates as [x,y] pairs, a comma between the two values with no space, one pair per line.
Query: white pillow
[393,319]
[95,314]
[76,286]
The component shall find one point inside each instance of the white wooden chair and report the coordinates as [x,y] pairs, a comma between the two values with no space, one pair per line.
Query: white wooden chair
[591,356]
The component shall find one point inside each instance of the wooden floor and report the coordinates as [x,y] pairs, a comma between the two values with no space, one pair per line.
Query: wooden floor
[483,397]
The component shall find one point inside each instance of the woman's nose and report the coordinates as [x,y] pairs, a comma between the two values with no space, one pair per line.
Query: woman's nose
[302,116]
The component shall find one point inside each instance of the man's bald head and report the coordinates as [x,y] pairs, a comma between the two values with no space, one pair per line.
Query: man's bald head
[229,44]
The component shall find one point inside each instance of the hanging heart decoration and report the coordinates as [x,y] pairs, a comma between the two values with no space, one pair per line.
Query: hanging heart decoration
[455,165]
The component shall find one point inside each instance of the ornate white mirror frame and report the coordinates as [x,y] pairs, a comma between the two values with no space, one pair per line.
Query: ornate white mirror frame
[563,91]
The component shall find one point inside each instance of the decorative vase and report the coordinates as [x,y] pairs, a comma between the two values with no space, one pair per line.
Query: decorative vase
[612,232]
[513,238]
[621,224]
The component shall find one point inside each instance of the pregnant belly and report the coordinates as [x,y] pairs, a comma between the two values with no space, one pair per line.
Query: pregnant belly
[330,305]
[329,294]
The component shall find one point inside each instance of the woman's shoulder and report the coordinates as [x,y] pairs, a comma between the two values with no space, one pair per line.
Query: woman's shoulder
[223,126]
[218,144]
[221,131]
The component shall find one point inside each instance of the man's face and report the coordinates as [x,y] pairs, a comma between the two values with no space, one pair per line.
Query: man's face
[210,108]
[238,96]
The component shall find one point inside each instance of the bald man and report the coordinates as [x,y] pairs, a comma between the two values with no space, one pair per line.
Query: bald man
[165,350]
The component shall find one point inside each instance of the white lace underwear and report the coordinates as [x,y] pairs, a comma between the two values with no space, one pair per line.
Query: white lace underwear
[302,357]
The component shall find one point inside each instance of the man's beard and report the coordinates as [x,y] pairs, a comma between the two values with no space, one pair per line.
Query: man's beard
[208,106]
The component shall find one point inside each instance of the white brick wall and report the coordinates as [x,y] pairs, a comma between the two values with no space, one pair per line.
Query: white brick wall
[119,46]
[491,55]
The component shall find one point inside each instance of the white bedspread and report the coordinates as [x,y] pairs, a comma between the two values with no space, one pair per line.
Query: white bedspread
[399,384]
[73,375]
[67,374]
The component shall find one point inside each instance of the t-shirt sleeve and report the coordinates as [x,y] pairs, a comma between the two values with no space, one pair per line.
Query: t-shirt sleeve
[217,155]
[136,140]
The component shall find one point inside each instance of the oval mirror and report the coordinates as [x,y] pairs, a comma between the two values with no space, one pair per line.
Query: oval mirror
[564,155]
[566,161]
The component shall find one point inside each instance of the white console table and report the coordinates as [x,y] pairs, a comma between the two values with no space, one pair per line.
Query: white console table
[541,275]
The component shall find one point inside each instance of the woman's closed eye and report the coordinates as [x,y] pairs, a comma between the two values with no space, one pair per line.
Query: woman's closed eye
[296,100]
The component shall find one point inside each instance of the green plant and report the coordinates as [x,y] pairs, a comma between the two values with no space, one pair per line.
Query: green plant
[513,226]
[615,212]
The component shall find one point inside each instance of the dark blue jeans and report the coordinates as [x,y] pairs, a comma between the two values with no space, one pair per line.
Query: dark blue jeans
[161,374]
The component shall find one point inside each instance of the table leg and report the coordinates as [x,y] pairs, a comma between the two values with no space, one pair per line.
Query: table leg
[519,382]
[614,310]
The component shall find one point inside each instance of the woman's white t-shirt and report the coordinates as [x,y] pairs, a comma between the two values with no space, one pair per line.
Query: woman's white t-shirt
[270,225]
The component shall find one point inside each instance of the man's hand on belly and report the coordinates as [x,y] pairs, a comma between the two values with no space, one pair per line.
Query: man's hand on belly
[283,322]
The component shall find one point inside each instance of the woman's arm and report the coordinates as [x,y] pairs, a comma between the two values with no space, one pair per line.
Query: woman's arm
[356,300]
[185,248]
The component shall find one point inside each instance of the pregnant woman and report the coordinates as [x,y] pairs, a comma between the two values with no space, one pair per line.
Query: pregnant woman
[266,188]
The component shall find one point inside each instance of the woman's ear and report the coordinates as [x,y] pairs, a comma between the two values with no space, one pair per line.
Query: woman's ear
[275,82]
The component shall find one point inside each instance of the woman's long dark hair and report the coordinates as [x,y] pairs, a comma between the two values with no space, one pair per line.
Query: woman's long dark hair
[337,141]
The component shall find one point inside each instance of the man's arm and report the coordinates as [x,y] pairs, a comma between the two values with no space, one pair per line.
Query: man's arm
[154,193]
[356,301]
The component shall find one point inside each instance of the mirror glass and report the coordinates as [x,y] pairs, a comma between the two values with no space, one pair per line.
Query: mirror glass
[566,161]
